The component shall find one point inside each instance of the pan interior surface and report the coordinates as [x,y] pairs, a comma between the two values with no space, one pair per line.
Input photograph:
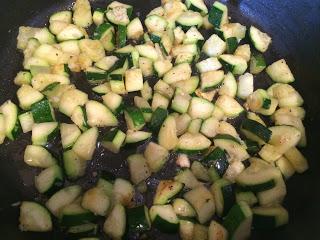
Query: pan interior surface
[295,29]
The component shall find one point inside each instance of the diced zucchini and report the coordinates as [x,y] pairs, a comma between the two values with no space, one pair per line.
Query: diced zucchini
[195,125]
[258,177]
[189,86]
[200,108]
[44,36]
[113,101]
[224,196]
[22,77]
[156,156]
[189,19]
[118,15]
[218,15]
[42,111]
[86,143]
[260,40]
[12,126]
[158,116]
[178,73]
[257,63]
[182,208]
[164,218]
[82,231]
[121,36]
[186,228]
[95,75]
[211,80]
[113,140]
[146,66]
[99,115]
[229,106]
[139,170]
[202,201]
[181,101]
[197,6]
[34,217]
[117,84]
[209,64]
[133,80]
[102,88]
[24,35]
[147,51]
[269,217]
[37,156]
[43,132]
[71,32]
[108,63]
[193,143]
[293,111]
[298,161]
[105,33]
[96,201]
[74,167]
[146,91]
[82,16]
[255,131]
[235,150]
[167,137]
[228,86]
[209,127]
[235,64]
[166,190]
[284,137]
[26,122]
[187,178]
[217,231]
[285,167]
[286,95]
[247,197]
[92,48]
[138,220]
[214,46]
[238,221]
[134,118]
[63,198]
[136,136]
[244,52]
[280,72]
[135,29]
[164,89]
[70,47]
[217,162]
[232,44]
[49,180]
[74,215]
[245,85]
[115,224]
[155,23]
[274,195]
[199,171]
[98,16]
[50,54]
[193,36]
[159,101]
[70,100]
[28,96]
[79,117]
[123,192]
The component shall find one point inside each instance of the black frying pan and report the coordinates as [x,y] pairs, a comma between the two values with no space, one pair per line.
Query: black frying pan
[295,28]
